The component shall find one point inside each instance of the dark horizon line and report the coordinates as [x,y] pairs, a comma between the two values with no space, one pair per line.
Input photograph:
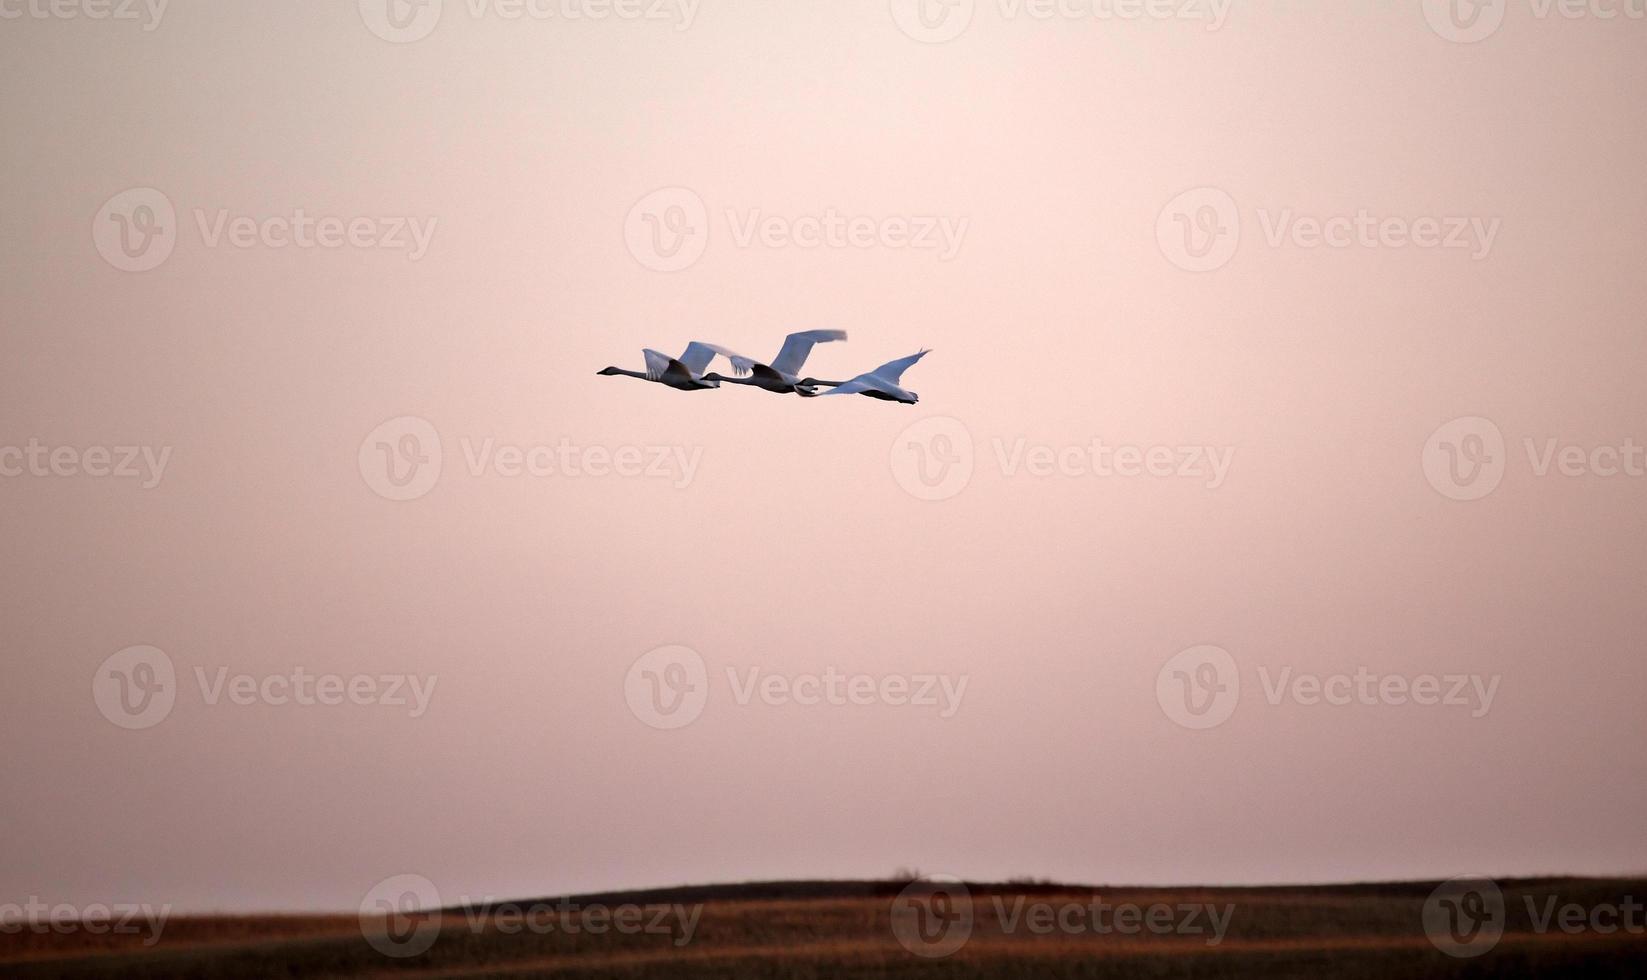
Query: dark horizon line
[813,888]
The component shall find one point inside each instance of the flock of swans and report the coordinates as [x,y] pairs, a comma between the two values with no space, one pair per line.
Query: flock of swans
[781,376]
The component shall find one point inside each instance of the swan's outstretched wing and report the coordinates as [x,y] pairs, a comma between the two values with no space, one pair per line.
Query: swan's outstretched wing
[699,354]
[858,385]
[797,346]
[657,363]
[894,370]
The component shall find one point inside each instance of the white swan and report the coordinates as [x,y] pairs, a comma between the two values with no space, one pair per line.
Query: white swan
[783,375]
[684,372]
[880,383]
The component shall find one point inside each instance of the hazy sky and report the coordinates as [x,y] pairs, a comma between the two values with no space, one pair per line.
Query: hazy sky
[1031,199]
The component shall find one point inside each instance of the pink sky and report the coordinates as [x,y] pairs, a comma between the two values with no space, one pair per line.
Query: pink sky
[793,546]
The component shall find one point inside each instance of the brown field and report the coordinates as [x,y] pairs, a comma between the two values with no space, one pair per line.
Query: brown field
[844,929]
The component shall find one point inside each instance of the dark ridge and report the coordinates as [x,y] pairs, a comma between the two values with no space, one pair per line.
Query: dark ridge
[770,891]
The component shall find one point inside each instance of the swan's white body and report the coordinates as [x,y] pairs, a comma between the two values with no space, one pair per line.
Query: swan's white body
[783,375]
[685,372]
[883,382]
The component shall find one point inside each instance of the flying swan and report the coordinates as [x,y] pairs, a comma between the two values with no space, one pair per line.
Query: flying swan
[783,375]
[685,372]
[880,383]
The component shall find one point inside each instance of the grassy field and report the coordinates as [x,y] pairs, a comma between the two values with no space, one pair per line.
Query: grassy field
[891,929]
